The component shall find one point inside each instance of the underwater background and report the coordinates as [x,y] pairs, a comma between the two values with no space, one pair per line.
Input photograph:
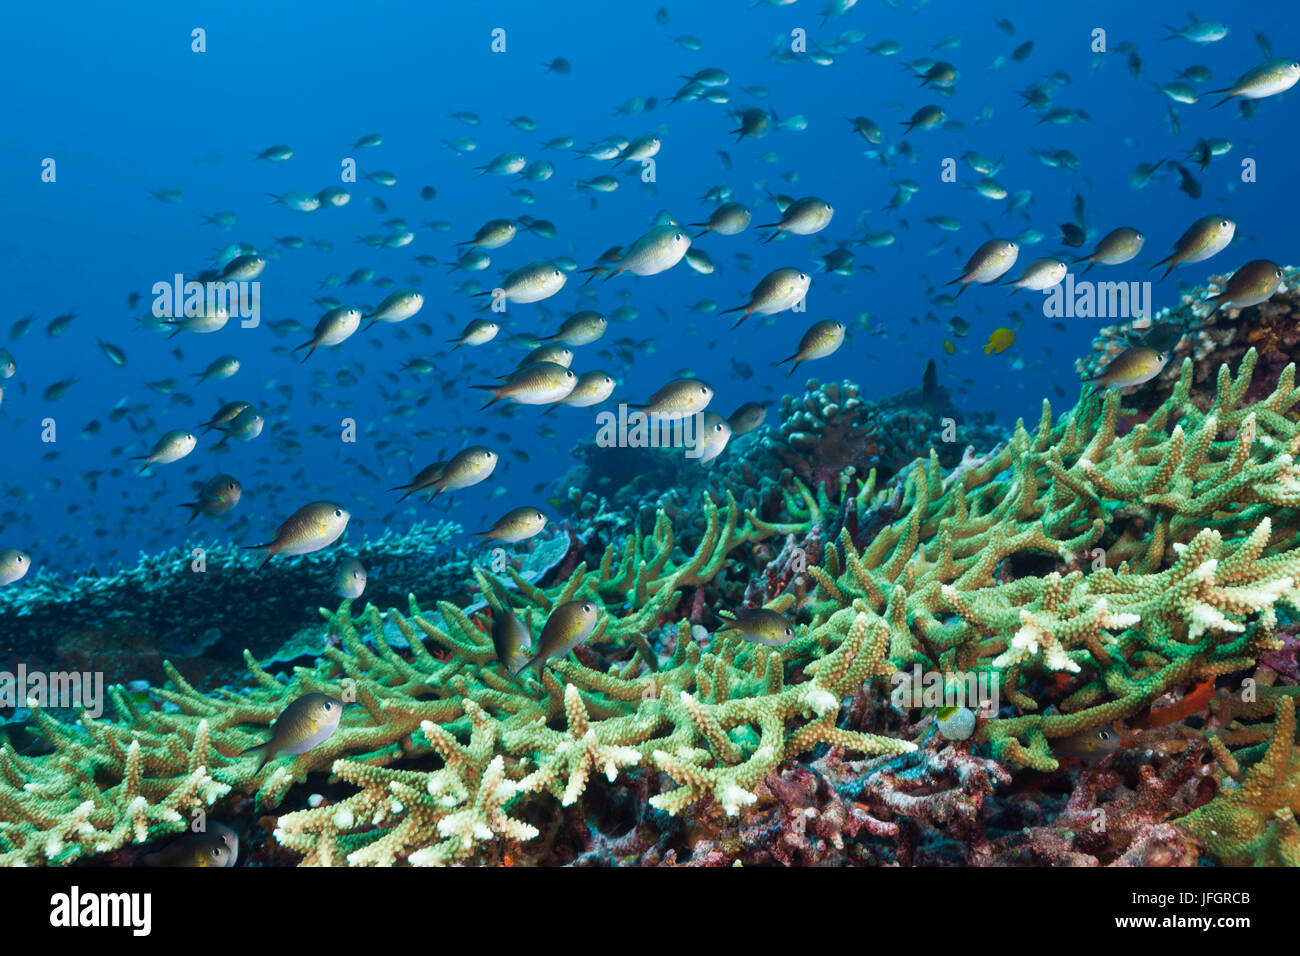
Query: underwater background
[132,157]
[125,110]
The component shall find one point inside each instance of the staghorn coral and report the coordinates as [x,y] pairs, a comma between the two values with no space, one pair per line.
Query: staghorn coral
[949,575]
[719,746]
[1254,822]
[1081,567]
[412,707]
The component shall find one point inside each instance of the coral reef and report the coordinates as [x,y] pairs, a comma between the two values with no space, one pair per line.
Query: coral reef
[1187,331]
[832,433]
[167,605]
[1102,570]
[1253,822]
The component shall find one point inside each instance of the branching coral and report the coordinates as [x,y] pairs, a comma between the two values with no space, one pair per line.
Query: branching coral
[1082,565]
[1254,823]
[716,720]
[948,577]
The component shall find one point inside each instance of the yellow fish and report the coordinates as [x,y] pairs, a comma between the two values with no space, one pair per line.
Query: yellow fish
[1000,340]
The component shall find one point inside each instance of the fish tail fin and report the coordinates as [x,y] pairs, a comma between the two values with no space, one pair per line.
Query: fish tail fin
[538,664]
[743,317]
[194,507]
[262,752]
[497,396]
[270,553]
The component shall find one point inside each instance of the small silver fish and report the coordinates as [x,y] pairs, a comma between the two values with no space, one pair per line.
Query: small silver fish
[306,723]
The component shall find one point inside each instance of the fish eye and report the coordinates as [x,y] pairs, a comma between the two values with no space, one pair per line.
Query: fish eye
[328,705]
[586,608]
[338,512]
[1223,224]
[718,427]
[802,276]
[789,630]
[22,558]
[216,851]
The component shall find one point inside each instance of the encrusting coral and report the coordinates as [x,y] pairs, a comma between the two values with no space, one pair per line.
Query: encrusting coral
[1094,564]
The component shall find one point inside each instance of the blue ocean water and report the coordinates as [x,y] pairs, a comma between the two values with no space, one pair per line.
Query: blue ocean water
[123,105]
